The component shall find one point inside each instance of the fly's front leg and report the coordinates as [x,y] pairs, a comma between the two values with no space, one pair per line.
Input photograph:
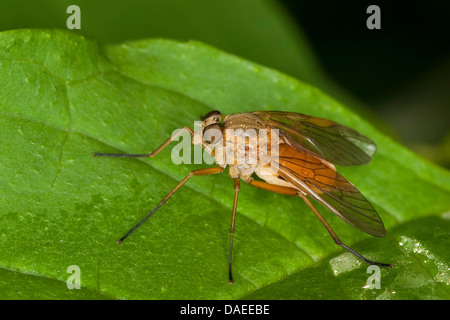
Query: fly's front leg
[154,152]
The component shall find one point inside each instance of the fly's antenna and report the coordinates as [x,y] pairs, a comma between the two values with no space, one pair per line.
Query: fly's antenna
[189,117]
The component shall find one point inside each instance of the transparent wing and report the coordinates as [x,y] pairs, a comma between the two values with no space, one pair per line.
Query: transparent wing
[327,139]
[320,180]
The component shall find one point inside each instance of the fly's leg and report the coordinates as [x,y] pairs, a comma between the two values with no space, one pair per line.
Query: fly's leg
[292,192]
[237,185]
[336,238]
[199,172]
[153,153]
[272,187]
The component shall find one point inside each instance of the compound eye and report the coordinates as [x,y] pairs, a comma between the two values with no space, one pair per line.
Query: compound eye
[215,114]
[212,133]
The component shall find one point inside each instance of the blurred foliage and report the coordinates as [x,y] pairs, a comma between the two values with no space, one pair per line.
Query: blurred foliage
[324,43]
[262,31]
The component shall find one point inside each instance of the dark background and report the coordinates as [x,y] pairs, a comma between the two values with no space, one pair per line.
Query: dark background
[414,36]
[401,71]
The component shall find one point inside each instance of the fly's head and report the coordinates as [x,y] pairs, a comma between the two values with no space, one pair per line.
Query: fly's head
[211,130]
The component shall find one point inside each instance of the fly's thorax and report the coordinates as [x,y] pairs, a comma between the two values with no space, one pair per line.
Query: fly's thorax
[244,121]
[250,147]
[242,140]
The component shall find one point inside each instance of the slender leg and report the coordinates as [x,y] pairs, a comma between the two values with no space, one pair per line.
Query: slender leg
[237,185]
[273,187]
[292,191]
[336,238]
[154,152]
[199,172]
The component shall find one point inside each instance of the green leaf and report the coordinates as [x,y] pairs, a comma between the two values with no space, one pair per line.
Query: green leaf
[421,269]
[262,31]
[65,97]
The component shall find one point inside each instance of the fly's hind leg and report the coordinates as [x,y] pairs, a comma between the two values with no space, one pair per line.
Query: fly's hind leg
[272,187]
[293,192]
[336,238]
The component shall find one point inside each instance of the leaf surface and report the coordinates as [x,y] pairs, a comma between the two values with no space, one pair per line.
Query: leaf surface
[65,97]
